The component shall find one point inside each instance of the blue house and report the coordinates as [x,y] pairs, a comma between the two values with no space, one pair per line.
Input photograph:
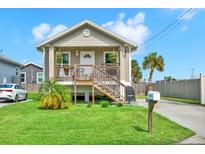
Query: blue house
[9,71]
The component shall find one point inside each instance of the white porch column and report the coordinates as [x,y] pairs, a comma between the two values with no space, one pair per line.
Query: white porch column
[51,62]
[130,65]
[122,63]
[87,99]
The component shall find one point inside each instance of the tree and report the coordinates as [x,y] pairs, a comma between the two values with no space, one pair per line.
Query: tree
[169,78]
[152,62]
[54,95]
[136,71]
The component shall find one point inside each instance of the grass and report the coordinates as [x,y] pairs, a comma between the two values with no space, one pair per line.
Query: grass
[34,96]
[183,100]
[24,123]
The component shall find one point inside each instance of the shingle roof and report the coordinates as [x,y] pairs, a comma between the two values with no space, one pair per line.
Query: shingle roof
[7,60]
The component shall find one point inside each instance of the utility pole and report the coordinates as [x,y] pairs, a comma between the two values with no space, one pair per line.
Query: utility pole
[192,73]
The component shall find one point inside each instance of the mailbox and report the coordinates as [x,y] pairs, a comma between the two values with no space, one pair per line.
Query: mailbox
[153,96]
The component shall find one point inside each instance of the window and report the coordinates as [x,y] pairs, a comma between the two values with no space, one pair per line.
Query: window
[39,77]
[111,57]
[17,87]
[17,71]
[6,86]
[23,77]
[63,58]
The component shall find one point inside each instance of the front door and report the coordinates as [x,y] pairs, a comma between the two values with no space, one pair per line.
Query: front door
[87,58]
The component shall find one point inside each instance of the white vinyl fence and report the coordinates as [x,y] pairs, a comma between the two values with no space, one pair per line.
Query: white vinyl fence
[191,88]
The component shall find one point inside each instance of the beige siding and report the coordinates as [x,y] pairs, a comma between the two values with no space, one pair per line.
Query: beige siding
[77,38]
[97,41]
[99,53]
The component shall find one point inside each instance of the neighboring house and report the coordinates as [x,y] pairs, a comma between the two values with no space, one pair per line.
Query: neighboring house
[90,60]
[31,76]
[9,71]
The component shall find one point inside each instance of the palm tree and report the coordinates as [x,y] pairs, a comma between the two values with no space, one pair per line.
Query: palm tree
[54,95]
[151,62]
[136,71]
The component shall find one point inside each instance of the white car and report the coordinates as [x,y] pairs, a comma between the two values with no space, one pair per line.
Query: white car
[12,92]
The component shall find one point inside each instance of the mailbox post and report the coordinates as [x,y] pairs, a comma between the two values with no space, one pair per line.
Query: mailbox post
[152,98]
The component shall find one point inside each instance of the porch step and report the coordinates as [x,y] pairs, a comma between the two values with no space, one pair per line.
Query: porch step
[109,94]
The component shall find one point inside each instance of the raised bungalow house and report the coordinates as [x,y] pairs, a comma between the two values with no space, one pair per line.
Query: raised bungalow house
[9,70]
[31,76]
[90,60]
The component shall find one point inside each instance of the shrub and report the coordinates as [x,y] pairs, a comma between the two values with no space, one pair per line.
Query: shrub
[119,104]
[104,103]
[89,105]
[54,96]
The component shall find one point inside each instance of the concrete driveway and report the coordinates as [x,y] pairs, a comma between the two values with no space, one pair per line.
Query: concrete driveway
[188,115]
[4,103]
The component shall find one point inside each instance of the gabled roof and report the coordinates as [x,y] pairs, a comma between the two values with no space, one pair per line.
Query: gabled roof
[89,23]
[32,63]
[7,60]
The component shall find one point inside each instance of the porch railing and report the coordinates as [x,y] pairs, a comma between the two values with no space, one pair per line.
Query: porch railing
[83,72]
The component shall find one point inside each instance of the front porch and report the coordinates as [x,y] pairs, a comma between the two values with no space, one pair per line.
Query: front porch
[80,61]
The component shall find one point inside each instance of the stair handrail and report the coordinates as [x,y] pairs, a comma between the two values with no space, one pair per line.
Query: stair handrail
[109,75]
[114,79]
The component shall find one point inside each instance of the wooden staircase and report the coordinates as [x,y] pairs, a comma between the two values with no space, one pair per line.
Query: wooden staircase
[108,85]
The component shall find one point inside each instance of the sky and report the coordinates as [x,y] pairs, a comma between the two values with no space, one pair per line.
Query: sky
[182,46]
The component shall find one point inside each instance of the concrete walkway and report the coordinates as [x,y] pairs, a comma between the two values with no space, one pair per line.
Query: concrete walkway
[4,103]
[188,115]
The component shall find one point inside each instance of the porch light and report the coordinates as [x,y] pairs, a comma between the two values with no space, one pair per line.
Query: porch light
[76,53]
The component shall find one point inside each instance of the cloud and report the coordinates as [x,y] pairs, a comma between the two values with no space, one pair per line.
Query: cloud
[39,32]
[57,29]
[133,28]
[184,28]
[24,61]
[44,30]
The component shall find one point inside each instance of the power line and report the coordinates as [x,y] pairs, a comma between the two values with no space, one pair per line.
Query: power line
[167,27]
[169,30]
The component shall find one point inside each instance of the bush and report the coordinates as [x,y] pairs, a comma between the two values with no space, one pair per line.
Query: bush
[54,96]
[104,103]
[119,104]
[89,105]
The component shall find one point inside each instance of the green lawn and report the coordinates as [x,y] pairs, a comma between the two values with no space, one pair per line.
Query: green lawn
[184,100]
[24,123]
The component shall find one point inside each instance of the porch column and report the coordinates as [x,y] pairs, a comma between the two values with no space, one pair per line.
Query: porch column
[130,65]
[51,62]
[122,63]
[44,50]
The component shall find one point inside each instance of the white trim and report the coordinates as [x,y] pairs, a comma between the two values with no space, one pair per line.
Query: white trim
[130,65]
[64,52]
[110,52]
[69,61]
[24,77]
[37,73]
[92,24]
[127,83]
[66,82]
[32,63]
